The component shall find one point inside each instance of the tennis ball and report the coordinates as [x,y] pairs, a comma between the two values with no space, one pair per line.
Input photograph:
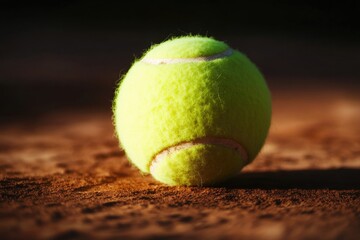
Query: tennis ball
[192,111]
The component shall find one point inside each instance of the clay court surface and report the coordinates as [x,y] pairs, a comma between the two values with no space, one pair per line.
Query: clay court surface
[63,176]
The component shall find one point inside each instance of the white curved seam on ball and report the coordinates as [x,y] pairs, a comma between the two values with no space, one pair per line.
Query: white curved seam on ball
[225,142]
[158,61]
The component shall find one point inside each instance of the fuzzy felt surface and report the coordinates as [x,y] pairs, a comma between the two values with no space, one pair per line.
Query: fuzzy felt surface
[216,164]
[158,106]
[186,47]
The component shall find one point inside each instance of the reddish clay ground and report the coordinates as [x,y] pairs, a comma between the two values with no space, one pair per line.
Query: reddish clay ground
[63,176]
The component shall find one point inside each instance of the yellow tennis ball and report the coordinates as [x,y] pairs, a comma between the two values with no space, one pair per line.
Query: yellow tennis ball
[192,111]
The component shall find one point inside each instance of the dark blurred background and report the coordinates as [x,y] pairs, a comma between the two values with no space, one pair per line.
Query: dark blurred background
[57,55]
